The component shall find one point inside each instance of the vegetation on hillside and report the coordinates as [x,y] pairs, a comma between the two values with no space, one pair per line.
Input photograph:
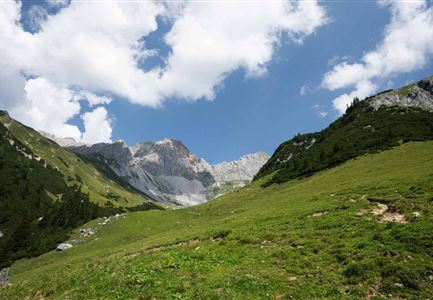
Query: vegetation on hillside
[37,207]
[359,131]
[93,177]
[311,238]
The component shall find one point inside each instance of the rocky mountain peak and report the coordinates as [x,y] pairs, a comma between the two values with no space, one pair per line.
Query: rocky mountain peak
[170,157]
[166,147]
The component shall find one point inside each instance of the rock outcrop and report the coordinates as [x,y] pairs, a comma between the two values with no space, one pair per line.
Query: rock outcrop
[63,247]
[167,171]
[419,94]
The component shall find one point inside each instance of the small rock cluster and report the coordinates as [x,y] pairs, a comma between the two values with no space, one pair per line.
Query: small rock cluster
[87,232]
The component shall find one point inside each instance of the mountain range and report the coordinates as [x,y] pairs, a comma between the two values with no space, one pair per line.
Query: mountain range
[167,171]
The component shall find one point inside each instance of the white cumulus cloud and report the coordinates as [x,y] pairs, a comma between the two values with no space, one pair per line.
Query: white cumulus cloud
[209,40]
[93,48]
[48,107]
[407,45]
[97,126]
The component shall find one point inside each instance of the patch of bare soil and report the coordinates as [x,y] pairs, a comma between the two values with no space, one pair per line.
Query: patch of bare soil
[387,216]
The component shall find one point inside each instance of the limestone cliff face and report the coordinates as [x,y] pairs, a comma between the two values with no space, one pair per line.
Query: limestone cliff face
[167,171]
[243,169]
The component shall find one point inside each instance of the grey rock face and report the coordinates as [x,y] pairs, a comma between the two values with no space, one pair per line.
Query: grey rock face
[171,158]
[419,95]
[167,171]
[117,151]
[243,169]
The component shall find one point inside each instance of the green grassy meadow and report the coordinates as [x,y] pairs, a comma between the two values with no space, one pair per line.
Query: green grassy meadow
[309,238]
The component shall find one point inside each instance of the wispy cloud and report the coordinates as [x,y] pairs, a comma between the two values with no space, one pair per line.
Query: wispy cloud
[320,110]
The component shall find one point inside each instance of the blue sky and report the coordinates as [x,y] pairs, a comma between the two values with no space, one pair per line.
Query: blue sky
[249,114]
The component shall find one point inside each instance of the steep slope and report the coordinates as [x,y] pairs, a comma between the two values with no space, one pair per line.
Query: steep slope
[377,123]
[103,186]
[37,208]
[167,171]
[327,236]
[46,191]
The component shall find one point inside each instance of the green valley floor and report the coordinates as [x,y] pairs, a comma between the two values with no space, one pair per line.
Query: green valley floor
[360,230]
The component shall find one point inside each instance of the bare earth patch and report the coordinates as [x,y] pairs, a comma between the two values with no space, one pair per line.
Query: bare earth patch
[393,217]
[381,210]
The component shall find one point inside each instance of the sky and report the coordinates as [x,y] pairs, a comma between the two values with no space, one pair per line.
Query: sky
[225,77]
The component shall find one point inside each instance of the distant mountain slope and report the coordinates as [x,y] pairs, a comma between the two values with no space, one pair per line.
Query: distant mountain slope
[96,179]
[167,171]
[377,123]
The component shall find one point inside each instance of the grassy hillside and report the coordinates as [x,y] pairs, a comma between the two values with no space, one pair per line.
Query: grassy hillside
[324,236]
[100,185]
[359,131]
[37,208]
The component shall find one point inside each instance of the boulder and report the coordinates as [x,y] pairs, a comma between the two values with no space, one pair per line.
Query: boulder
[63,247]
